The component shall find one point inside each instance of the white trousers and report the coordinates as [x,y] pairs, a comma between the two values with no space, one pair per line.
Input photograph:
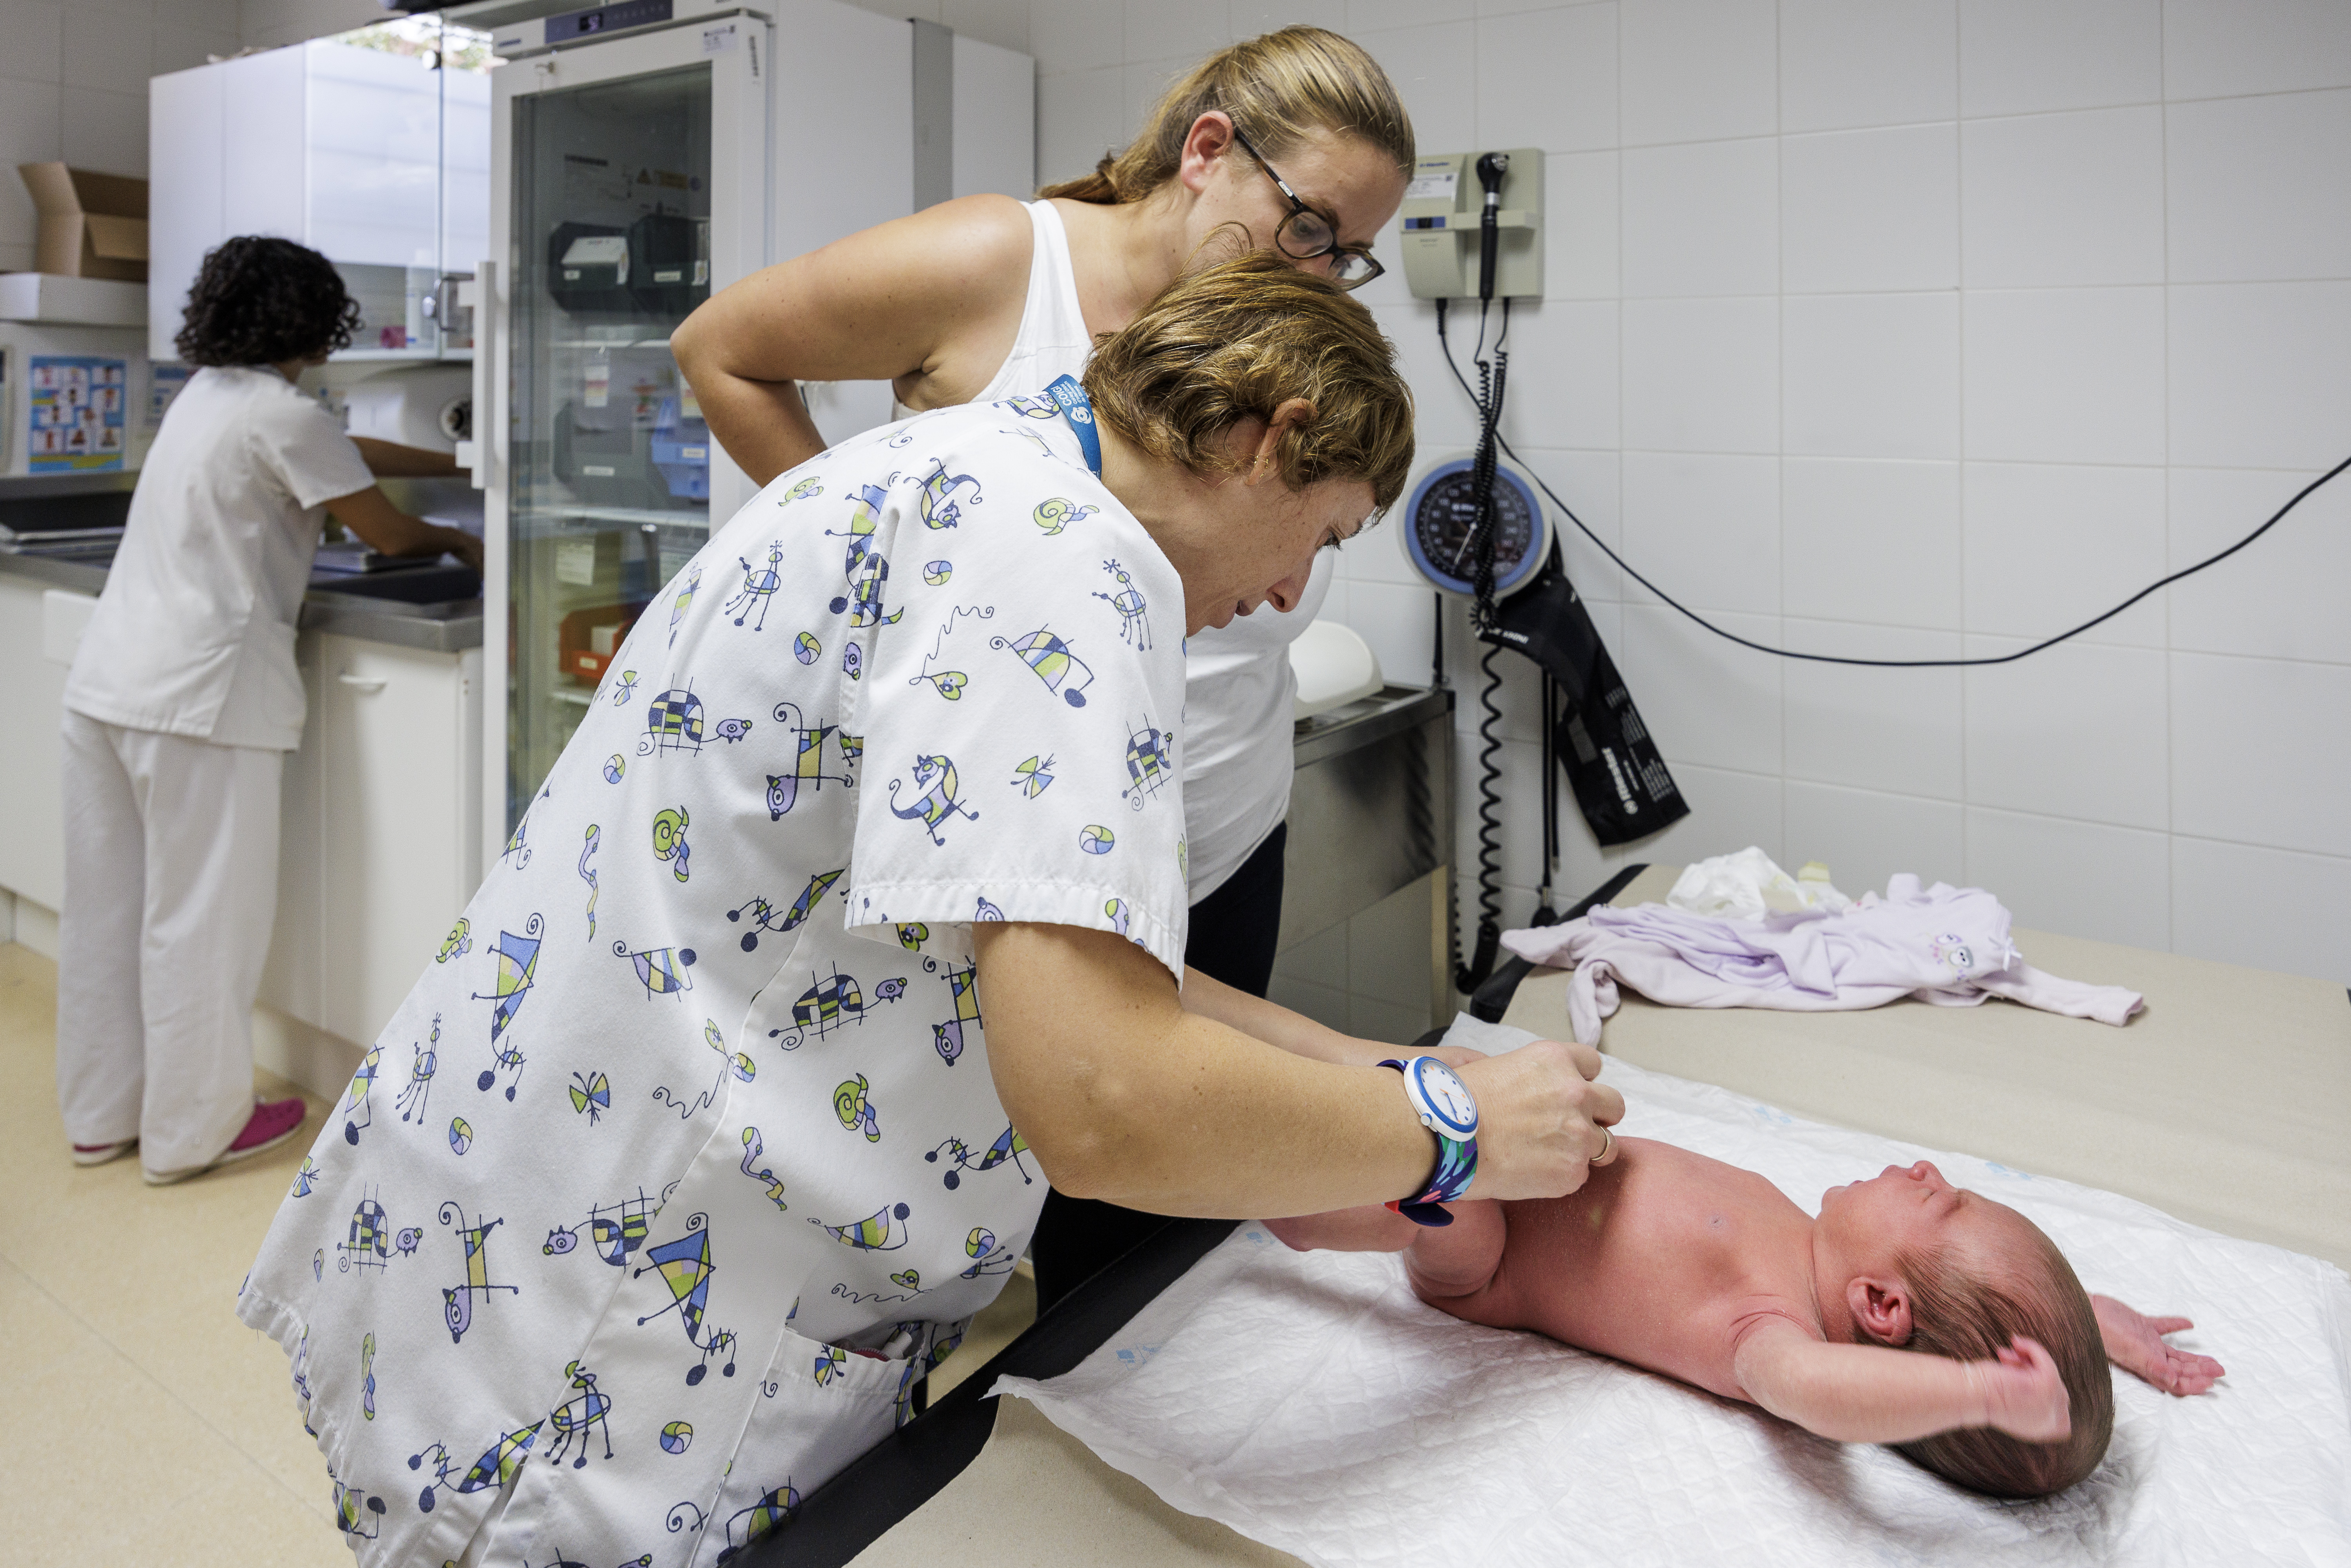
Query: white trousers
[171,855]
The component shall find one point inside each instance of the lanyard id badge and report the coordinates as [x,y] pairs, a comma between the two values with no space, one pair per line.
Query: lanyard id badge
[1079,410]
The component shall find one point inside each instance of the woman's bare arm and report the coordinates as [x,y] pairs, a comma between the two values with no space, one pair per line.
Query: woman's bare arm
[390,460]
[384,527]
[925,297]
[1125,1095]
[1277,1025]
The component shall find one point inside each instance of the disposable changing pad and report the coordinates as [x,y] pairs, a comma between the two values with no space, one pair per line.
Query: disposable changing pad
[1309,1401]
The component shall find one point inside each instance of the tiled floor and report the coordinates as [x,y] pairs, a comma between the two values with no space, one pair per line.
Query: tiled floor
[143,1424]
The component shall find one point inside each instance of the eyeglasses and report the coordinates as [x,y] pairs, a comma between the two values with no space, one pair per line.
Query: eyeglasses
[1306,234]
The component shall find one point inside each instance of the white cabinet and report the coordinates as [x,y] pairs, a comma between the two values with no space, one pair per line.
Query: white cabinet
[401,819]
[381,828]
[32,708]
[366,156]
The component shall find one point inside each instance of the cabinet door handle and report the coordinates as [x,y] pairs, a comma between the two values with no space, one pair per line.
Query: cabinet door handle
[363,683]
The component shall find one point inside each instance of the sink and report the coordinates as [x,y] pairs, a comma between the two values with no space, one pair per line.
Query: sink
[411,585]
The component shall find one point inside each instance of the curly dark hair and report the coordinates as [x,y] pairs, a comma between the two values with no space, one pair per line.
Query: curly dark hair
[262,301]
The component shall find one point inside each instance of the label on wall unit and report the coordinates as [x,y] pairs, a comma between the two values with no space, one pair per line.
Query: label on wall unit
[74,414]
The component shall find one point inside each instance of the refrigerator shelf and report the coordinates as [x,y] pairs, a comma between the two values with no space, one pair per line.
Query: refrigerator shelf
[649,518]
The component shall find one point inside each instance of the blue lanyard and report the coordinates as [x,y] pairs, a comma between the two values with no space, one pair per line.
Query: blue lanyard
[1079,411]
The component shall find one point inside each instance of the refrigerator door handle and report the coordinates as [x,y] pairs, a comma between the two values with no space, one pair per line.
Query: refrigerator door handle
[486,449]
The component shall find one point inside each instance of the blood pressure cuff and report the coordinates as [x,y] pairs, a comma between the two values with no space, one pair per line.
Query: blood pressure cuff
[1620,778]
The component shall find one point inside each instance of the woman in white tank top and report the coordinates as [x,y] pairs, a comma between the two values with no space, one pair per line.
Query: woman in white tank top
[1294,141]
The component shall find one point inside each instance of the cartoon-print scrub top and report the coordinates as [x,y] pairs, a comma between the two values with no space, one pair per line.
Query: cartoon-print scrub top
[682,1162]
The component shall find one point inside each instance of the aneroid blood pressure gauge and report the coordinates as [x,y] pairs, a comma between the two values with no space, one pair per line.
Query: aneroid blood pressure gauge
[1443,509]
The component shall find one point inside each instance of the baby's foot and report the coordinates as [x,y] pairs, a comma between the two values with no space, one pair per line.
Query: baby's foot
[2135,1342]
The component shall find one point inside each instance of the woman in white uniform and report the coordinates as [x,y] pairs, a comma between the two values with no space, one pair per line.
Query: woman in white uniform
[1294,143]
[852,912]
[182,703]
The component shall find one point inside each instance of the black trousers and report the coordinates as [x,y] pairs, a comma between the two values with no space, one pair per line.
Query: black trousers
[1232,939]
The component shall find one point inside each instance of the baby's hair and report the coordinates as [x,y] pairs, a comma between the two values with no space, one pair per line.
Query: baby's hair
[1971,1318]
[260,300]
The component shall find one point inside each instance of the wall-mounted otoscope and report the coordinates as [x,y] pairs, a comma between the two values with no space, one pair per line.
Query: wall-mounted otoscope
[1473,225]
[1491,167]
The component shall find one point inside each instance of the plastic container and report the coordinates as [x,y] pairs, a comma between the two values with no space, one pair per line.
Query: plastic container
[680,450]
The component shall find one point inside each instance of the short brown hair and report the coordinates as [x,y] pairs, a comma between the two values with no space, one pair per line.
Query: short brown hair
[1276,88]
[1240,339]
[1970,1319]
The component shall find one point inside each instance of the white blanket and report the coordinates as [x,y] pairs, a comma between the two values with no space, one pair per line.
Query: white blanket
[1312,1403]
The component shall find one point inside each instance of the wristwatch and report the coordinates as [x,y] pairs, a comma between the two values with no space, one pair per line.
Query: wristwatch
[1446,1108]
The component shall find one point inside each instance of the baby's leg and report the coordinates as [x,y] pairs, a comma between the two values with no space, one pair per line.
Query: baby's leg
[1445,1263]
[1371,1228]
[1448,1263]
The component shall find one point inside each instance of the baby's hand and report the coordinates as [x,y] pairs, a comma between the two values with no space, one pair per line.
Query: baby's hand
[2135,1342]
[2023,1395]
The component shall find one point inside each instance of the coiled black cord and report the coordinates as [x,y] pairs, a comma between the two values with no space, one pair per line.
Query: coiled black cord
[1626,567]
[1493,380]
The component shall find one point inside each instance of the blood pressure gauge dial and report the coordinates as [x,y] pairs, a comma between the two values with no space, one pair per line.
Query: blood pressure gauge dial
[1443,507]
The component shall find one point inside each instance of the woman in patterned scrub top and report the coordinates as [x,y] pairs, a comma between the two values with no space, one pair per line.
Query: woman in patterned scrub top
[855,907]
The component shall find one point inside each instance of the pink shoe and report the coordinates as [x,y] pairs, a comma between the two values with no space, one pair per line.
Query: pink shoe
[99,1154]
[271,1124]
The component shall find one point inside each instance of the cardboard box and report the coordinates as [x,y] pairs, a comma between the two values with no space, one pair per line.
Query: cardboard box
[92,226]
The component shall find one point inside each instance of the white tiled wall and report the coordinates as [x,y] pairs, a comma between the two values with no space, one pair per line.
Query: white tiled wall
[73,73]
[1905,328]
[1890,327]
[73,77]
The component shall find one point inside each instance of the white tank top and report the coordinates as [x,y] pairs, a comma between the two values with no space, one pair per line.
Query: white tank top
[1237,725]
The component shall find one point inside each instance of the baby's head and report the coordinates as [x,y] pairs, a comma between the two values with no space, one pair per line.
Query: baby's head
[1925,1266]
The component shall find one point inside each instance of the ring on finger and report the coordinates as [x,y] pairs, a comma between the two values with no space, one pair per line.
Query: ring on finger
[1607,1147]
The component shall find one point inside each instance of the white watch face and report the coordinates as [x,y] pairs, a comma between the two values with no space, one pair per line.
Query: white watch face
[1447,1095]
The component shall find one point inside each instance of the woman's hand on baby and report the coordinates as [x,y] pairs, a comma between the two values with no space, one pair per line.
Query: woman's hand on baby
[1539,1117]
[2135,1342]
[2023,1394]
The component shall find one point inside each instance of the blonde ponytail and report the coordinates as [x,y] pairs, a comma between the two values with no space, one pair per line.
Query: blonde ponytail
[1276,88]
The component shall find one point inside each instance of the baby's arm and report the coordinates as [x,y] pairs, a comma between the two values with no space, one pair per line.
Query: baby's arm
[1443,1262]
[2135,1344]
[1874,1393]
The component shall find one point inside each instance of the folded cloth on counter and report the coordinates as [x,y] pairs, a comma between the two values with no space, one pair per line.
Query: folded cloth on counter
[1311,1402]
[1944,944]
[1750,886]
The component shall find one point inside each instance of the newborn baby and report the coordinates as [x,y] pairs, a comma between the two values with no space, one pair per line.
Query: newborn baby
[1684,1265]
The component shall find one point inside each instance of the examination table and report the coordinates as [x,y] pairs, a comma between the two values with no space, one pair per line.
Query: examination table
[2226,1103]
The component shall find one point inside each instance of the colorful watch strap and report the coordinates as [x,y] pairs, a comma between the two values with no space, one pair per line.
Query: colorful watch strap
[1457,1164]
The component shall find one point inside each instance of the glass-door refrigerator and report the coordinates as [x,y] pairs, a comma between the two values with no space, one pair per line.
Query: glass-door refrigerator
[643,155]
[620,206]
[630,177]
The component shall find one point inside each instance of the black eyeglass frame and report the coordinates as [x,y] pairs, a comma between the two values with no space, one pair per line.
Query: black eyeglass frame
[1299,209]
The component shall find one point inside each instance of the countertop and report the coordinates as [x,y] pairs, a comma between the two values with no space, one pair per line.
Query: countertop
[1365,720]
[376,606]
